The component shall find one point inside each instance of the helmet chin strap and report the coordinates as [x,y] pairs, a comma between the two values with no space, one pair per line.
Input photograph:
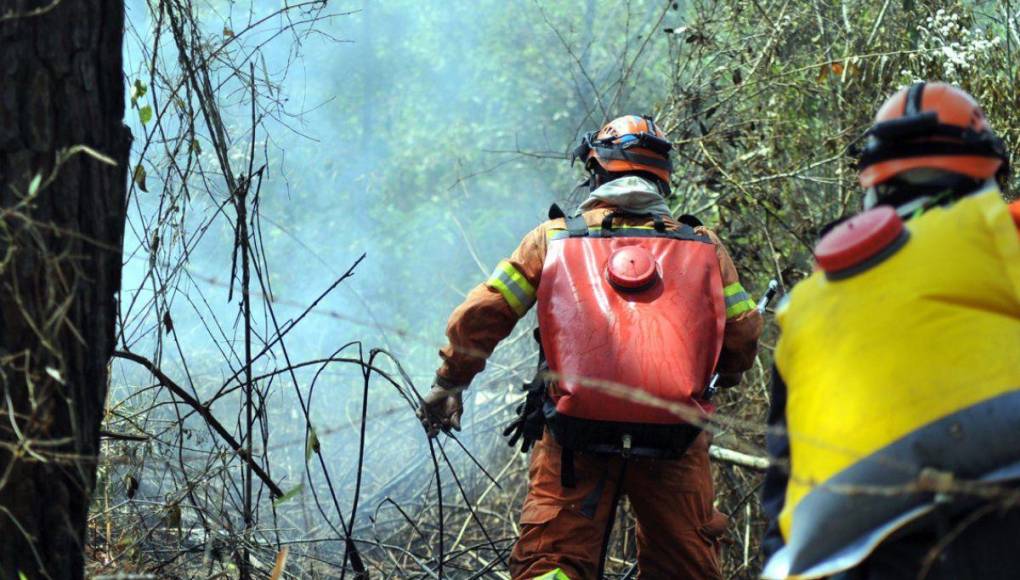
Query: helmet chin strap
[664,189]
[904,210]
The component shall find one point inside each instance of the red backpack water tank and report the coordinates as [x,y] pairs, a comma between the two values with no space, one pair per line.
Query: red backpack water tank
[640,309]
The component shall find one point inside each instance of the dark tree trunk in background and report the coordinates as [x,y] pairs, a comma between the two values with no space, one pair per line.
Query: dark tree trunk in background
[62,212]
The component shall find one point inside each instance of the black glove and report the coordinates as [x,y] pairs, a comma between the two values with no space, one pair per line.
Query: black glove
[727,380]
[530,422]
[527,427]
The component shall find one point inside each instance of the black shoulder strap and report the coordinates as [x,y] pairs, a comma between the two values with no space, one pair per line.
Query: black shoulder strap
[686,232]
[577,227]
[689,220]
[607,223]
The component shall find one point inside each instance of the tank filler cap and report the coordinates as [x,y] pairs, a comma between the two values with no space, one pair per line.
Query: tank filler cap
[860,243]
[631,269]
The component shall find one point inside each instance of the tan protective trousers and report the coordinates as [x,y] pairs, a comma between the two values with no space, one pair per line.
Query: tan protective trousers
[678,530]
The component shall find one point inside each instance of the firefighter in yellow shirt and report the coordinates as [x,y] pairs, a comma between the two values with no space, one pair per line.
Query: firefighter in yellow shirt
[896,394]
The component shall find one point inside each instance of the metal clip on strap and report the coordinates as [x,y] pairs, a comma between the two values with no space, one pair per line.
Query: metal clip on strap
[577,227]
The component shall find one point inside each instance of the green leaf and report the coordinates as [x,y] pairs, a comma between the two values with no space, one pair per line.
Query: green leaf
[55,375]
[290,494]
[21,575]
[313,443]
[145,114]
[139,178]
[33,186]
[138,90]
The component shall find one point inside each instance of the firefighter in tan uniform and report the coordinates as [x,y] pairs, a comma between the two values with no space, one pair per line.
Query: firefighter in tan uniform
[896,394]
[628,298]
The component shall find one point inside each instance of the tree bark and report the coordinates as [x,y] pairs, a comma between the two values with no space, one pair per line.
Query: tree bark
[62,213]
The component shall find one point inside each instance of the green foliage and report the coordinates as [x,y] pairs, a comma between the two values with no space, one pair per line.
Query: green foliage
[289,494]
[33,186]
[771,98]
[145,114]
[139,177]
[138,90]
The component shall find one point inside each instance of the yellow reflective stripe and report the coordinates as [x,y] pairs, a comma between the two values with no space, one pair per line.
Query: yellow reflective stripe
[508,295]
[556,574]
[513,286]
[518,278]
[732,289]
[738,301]
[740,308]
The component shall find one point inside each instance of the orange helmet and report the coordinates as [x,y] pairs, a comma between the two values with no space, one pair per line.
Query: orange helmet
[628,143]
[934,126]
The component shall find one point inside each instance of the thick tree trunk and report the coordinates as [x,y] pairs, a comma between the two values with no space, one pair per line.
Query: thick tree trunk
[62,211]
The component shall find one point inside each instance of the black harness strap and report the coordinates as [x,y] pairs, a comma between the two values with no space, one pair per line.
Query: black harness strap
[689,220]
[577,228]
[568,477]
[607,222]
[612,518]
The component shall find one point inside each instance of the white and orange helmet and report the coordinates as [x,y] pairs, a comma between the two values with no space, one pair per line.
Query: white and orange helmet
[931,126]
[628,143]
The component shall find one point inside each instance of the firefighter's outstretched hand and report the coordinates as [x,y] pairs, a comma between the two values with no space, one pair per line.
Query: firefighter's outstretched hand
[441,409]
